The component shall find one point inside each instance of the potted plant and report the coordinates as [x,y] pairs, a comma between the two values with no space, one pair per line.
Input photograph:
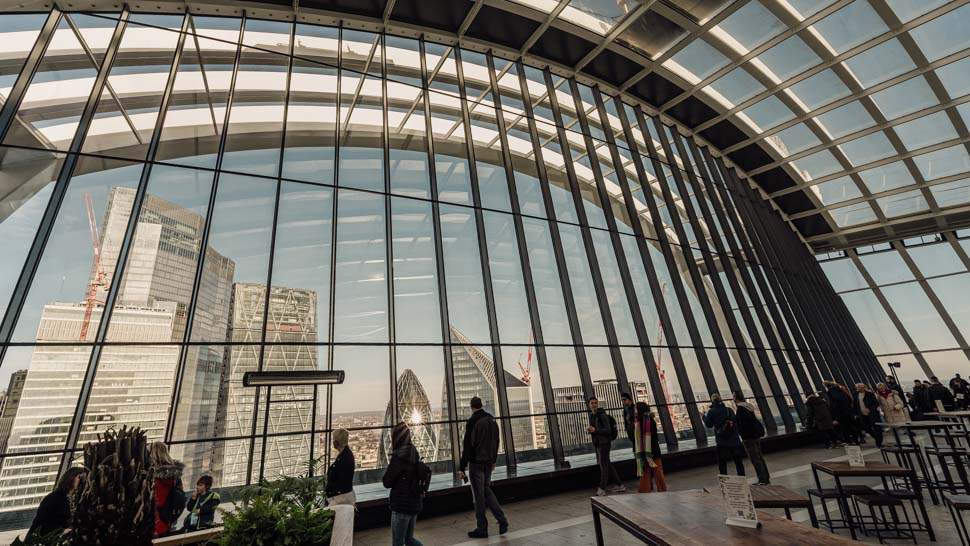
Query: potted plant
[290,510]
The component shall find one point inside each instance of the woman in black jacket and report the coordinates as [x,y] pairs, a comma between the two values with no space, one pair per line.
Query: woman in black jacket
[405,501]
[340,475]
[57,508]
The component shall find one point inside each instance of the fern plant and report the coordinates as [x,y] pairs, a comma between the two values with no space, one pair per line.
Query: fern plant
[54,538]
[283,512]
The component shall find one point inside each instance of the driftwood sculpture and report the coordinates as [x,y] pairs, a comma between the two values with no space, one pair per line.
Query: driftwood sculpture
[114,507]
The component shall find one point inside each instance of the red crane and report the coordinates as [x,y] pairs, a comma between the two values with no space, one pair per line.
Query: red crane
[527,369]
[98,278]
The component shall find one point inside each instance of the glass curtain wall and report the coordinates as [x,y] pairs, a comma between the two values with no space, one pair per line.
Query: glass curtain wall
[910,299]
[188,198]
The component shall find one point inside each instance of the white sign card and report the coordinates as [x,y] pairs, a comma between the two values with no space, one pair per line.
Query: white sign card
[738,504]
[939,406]
[855,456]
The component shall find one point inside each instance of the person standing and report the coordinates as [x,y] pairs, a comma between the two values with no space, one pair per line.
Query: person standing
[867,407]
[961,392]
[921,400]
[818,416]
[628,415]
[939,393]
[752,431]
[893,409]
[340,474]
[400,477]
[646,446]
[841,407]
[57,508]
[723,420]
[202,506]
[894,386]
[602,430]
[169,496]
[479,451]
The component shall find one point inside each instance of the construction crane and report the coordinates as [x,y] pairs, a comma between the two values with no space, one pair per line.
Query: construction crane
[98,279]
[660,353]
[527,369]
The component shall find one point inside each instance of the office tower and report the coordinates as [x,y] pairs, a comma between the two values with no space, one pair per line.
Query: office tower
[413,408]
[290,325]
[11,401]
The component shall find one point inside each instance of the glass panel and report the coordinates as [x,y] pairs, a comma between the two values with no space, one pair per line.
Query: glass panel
[955,77]
[836,191]
[18,32]
[511,305]
[945,162]
[545,276]
[463,276]
[951,193]
[843,275]
[734,87]
[850,26]
[867,149]
[768,113]
[902,204]
[748,27]
[696,62]
[860,213]
[886,267]
[845,120]
[600,16]
[937,259]
[926,131]
[887,177]
[905,98]
[786,59]
[360,304]
[943,35]
[878,64]
[919,317]
[362,402]
[417,313]
[821,89]
[952,292]
[875,324]
[793,140]
[423,399]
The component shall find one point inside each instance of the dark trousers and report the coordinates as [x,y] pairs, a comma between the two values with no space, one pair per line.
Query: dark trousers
[607,472]
[829,437]
[870,424]
[480,476]
[753,447]
[730,452]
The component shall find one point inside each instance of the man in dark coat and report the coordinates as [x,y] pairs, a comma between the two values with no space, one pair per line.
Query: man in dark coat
[921,398]
[893,386]
[479,451]
[961,392]
[818,416]
[628,410]
[842,413]
[601,434]
[724,422]
[939,393]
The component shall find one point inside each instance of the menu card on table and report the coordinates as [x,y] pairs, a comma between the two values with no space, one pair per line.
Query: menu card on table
[738,503]
[855,456]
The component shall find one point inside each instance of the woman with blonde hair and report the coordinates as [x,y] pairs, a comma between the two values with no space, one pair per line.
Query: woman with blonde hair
[170,497]
[892,406]
[340,475]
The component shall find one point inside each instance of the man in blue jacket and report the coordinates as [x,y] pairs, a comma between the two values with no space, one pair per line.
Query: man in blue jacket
[724,422]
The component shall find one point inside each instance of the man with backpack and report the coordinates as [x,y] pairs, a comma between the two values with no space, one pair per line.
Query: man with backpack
[752,431]
[479,451]
[602,429]
[724,422]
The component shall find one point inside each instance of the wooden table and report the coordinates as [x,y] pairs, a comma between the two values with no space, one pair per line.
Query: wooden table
[841,470]
[688,518]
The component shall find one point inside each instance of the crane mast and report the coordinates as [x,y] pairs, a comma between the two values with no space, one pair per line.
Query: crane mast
[98,277]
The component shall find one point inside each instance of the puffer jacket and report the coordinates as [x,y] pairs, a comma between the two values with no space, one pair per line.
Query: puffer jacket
[399,478]
[165,476]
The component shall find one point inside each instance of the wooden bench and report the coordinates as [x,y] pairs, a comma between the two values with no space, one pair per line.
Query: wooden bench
[778,496]
[195,537]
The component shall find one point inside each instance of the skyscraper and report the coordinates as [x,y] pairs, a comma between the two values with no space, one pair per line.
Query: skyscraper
[11,401]
[413,408]
[291,324]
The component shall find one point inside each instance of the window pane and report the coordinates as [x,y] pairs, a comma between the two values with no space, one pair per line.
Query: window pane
[360,306]
[417,313]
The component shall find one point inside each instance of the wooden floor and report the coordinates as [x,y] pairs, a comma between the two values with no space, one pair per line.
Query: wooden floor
[566,519]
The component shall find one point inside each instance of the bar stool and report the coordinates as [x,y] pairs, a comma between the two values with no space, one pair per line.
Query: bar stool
[827,494]
[910,497]
[891,526]
[950,459]
[957,504]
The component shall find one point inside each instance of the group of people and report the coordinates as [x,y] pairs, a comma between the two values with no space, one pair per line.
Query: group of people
[56,510]
[841,416]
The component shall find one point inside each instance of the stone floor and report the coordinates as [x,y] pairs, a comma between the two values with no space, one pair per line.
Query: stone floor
[565,519]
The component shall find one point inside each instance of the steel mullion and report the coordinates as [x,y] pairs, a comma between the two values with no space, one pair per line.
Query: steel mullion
[753,252]
[272,251]
[204,243]
[565,285]
[736,271]
[656,385]
[440,255]
[663,242]
[10,107]
[606,314]
[388,227]
[44,231]
[700,291]
[555,437]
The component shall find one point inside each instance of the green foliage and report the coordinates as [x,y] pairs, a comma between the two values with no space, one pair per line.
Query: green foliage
[54,538]
[284,512]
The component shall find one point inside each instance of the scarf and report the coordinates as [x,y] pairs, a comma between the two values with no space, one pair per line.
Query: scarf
[886,394]
[641,443]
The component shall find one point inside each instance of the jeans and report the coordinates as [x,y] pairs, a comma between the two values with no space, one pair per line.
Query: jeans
[402,529]
[753,447]
[480,476]
[607,472]
[730,452]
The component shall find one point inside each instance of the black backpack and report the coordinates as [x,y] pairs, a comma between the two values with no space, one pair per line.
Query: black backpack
[614,431]
[727,427]
[174,503]
[749,426]
[422,478]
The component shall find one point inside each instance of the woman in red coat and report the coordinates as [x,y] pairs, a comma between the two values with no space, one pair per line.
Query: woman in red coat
[167,474]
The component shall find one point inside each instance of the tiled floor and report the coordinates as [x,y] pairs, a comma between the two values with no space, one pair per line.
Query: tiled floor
[565,520]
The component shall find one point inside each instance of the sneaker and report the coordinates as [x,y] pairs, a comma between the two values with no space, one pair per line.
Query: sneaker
[478,533]
[503,528]
[600,492]
[619,489]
